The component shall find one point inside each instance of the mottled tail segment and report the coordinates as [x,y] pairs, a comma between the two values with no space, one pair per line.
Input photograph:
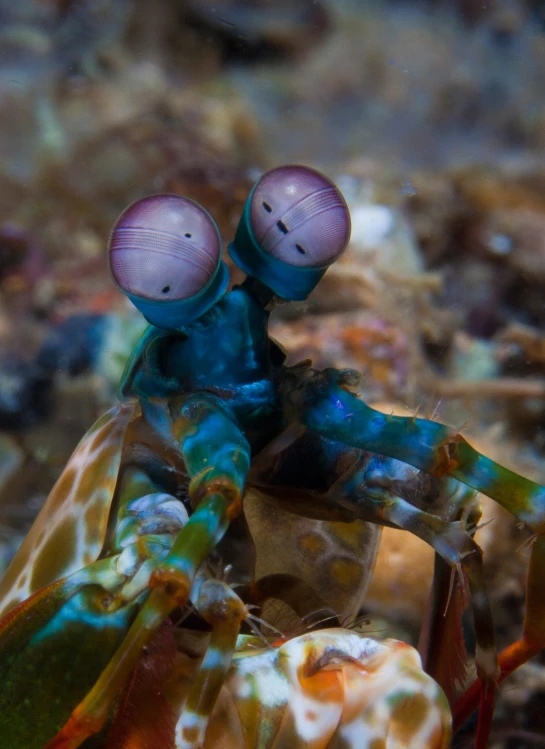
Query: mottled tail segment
[327,408]
[75,514]
[333,688]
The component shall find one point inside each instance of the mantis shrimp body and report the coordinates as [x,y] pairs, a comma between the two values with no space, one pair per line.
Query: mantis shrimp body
[219,456]
[328,685]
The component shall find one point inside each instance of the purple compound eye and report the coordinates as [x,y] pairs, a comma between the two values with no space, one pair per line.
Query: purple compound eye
[299,216]
[164,248]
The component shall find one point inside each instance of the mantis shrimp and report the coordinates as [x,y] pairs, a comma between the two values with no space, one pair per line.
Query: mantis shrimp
[217,444]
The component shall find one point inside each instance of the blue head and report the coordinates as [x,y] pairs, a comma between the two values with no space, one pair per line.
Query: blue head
[165,255]
[295,224]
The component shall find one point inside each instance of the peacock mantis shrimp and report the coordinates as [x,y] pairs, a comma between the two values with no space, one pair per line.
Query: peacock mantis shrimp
[216,444]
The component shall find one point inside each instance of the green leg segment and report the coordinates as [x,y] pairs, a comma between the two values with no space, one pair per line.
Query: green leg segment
[217,457]
[322,402]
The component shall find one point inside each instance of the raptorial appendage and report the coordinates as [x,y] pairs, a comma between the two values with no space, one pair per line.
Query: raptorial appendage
[325,402]
[216,456]
[220,456]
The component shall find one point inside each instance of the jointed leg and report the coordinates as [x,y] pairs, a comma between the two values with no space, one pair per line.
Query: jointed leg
[533,635]
[322,402]
[217,457]
[455,545]
[224,611]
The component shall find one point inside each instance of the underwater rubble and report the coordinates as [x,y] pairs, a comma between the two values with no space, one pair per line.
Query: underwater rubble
[430,116]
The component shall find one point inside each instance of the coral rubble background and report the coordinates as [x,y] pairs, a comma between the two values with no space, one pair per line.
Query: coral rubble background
[431,117]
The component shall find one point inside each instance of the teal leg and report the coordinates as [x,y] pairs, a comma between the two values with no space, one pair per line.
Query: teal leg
[217,458]
[323,402]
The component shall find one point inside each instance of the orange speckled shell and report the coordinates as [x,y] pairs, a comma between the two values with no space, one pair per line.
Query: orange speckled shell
[70,529]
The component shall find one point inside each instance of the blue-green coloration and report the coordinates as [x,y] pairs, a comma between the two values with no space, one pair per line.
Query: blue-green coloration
[221,413]
[172,314]
[40,663]
[330,410]
[227,350]
[287,281]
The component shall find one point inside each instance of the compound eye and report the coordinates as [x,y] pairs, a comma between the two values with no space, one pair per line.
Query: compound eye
[298,216]
[164,248]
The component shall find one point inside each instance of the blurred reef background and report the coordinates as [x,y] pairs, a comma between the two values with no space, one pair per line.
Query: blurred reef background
[430,116]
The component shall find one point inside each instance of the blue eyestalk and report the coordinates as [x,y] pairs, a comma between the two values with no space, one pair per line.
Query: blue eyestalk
[178,312]
[295,224]
[165,256]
